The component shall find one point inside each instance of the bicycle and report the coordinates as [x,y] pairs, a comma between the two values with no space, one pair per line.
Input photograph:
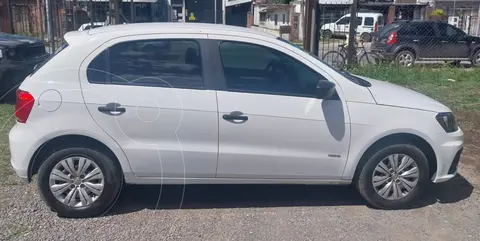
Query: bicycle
[339,57]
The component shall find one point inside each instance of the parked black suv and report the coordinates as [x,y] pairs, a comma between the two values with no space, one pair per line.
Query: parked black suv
[18,56]
[408,41]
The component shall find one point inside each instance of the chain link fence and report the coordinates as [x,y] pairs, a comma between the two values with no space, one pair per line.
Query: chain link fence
[32,17]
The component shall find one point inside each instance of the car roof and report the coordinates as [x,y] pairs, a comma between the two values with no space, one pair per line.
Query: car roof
[169,27]
[359,14]
[120,30]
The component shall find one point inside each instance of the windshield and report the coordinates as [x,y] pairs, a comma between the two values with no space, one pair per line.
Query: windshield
[345,74]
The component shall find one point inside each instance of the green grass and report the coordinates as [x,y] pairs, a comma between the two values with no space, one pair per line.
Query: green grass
[458,88]
[7,120]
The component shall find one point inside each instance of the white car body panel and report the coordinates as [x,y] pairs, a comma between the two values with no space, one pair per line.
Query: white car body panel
[182,145]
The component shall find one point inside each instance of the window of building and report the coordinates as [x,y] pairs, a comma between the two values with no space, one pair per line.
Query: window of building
[160,63]
[284,19]
[258,69]
[263,17]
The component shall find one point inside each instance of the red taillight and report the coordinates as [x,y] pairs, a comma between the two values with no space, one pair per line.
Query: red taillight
[375,27]
[392,39]
[23,105]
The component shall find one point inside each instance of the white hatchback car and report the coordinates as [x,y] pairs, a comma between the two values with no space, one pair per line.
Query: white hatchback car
[169,103]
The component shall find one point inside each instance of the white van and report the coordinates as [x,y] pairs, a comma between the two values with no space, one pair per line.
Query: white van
[367,24]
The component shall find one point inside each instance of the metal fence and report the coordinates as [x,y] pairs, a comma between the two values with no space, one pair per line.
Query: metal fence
[32,17]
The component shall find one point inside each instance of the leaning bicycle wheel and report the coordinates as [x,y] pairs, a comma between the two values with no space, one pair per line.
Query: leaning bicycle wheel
[334,59]
[369,59]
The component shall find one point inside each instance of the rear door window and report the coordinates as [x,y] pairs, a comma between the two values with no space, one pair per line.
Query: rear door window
[417,29]
[174,63]
[447,30]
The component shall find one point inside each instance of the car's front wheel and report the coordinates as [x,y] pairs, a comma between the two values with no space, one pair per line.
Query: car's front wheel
[393,177]
[79,182]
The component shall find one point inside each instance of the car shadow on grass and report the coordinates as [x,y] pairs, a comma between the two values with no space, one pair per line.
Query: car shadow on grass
[135,198]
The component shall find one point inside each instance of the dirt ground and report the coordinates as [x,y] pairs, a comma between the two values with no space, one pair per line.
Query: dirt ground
[470,124]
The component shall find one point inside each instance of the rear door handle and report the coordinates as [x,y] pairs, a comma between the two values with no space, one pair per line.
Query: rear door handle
[112,109]
[235,117]
[443,41]
[416,40]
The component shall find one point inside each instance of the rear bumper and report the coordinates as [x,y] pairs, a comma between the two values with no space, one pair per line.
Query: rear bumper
[21,142]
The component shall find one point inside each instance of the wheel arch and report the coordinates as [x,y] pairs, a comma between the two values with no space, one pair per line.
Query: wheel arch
[397,138]
[64,141]
[475,50]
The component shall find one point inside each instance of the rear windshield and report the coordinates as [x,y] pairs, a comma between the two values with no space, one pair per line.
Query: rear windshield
[388,28]
[38,66]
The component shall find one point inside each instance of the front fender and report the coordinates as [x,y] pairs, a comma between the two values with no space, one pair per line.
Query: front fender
[357,151]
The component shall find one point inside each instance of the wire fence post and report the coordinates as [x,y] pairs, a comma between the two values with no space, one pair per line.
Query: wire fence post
[50,29]
[351,52]
[315,29]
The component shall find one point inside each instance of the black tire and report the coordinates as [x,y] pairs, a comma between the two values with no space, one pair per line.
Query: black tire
[113,180]
[327,34]
[405,54]
[365,177]
[366,37]
[476,59]
[334,59]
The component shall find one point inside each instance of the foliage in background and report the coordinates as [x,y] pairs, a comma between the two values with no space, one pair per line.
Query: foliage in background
[438,12]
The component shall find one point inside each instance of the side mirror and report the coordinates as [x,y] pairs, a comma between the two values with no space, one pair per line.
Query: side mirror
[325,89]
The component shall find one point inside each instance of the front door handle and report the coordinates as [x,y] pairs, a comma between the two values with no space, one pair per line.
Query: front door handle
[112,109]
[235,116]
[443,41]
[416,40]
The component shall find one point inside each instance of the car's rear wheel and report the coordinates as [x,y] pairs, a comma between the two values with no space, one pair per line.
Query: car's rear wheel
[79,182]
[476,59]
[366,37]
[394,177]
[405,58]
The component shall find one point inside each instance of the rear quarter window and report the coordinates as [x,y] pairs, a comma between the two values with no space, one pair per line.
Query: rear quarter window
[40,65]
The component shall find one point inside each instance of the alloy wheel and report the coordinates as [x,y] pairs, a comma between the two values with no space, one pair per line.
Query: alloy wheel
[76,181]
[395,177]
[405,59]
[476,60]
